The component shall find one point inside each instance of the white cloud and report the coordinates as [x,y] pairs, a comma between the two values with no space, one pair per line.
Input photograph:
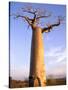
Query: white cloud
[52,51]
[56,62]
[61,58]
[55,55]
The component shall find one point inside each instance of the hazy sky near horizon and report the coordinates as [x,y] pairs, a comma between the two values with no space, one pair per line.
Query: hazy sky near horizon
[20,42]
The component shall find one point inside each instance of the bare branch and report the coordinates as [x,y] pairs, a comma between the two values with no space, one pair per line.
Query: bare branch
[43,16]
[37,15]
[48,29]
[30,11]
[25,17]
[36,12]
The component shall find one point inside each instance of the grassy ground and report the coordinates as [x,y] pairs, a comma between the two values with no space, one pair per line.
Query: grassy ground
[50,82]
[58,81]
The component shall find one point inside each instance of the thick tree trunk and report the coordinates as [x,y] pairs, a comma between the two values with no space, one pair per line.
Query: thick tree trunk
[37,67]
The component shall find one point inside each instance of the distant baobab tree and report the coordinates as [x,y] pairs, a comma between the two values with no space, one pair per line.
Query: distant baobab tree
[37,75]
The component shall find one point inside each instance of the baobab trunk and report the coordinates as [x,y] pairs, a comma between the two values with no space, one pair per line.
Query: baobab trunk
[37,67]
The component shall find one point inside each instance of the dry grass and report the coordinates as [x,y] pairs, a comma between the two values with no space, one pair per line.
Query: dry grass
[18,84]
[58,81]
[50,82]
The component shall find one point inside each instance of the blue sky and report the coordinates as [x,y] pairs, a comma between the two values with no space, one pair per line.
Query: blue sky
[54,42]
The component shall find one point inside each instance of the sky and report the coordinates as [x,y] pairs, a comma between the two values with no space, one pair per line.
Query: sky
[54,42]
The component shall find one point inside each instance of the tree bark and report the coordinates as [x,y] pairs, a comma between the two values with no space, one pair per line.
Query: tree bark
[37,67]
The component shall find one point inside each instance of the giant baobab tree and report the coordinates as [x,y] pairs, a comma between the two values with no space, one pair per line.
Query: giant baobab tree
[37,75]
